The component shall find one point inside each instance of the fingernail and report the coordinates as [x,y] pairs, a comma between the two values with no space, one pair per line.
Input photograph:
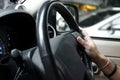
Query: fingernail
[78,38]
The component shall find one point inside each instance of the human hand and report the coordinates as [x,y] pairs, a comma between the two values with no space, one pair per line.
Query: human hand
[105,65]
[88,44]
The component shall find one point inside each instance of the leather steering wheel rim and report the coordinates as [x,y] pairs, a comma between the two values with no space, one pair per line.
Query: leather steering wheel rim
[43,38]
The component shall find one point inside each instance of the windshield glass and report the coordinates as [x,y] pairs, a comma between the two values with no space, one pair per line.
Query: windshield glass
[96,19]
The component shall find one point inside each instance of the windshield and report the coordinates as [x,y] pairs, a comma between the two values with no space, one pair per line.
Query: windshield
[96,19]
[90,19]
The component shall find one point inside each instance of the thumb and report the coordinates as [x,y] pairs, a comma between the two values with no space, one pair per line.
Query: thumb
[81,41]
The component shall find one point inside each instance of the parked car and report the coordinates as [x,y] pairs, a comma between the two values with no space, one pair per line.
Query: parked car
[104,23]
[87,19]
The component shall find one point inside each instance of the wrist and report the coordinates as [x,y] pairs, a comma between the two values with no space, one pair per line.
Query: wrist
[106,65]
[100,60]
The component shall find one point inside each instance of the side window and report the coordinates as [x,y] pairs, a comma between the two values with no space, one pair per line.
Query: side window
[112,27]
[61,24]
[97,17]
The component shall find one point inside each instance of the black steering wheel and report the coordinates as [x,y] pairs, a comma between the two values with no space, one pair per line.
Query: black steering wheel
[61,55]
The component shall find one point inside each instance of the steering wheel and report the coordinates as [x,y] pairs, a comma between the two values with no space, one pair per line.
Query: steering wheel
[61,55]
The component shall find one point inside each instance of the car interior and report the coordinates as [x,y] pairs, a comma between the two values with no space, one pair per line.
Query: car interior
[44,46]
[32,54]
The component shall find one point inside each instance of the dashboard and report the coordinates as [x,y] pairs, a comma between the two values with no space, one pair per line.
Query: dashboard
[11,38]
[2,47]
[17,31]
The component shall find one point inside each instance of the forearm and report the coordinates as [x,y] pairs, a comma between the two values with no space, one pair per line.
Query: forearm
[107,67]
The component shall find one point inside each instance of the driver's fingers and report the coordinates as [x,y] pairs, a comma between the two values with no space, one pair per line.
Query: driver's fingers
[86,37]
[84,33]
[81,41]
